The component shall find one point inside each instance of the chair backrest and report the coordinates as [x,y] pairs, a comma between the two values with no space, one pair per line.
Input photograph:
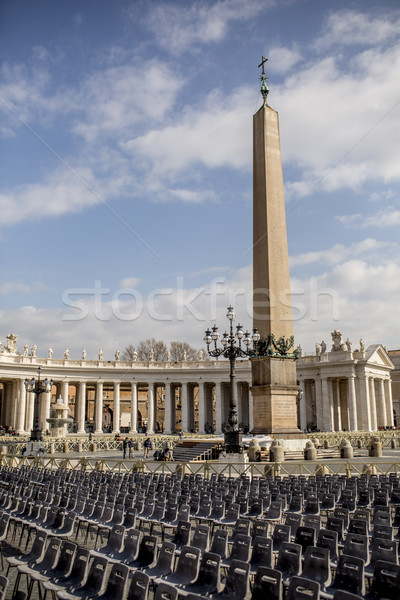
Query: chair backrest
[79,567]
[301,588]
[116,538]
[219,543]
[280,534]
[188,564]
[182,533]
[305,536]
[386,580]
[139,587]
[51,554]
[209,573]
[356,545]
[262,552]
[201,537]
[232,514]
[316,565]
[382,531]
[312,521]
[336,524]
[242,526]
[342,513]
[65,558]
[38,546]
[385,550]
[294,520]
[241,548]
[147,550]
[237,581]
[166,591]
[289,559]
[358,526]
[267,584]
[350,574]
[95,578]
[117,581]
[165,560]
[130,518]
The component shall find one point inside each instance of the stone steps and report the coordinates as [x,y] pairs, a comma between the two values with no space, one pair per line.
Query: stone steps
[192,450]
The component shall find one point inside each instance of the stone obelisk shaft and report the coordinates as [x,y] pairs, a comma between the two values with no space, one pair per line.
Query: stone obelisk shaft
[274,379]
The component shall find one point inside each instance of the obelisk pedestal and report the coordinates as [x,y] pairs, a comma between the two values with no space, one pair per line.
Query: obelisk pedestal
[274,387]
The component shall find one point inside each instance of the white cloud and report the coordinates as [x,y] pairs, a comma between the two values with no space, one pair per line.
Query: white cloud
[283,59]
[113,100]
[129,282]
[350,27]
[348,119]
[11,287]
[386,217]
[339,253]
[182,27]
[63,191]
[218,135]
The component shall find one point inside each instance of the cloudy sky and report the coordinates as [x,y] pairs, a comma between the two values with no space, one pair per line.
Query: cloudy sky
[126,167]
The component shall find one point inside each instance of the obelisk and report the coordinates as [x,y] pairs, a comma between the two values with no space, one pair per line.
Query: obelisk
[274,386]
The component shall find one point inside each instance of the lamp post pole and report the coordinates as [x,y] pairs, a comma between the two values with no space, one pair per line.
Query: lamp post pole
[232,349]
[37,387]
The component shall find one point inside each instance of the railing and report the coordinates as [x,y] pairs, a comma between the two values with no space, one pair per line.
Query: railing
[207,468]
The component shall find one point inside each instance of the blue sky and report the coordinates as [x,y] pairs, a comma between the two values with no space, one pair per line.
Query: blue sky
[126,167]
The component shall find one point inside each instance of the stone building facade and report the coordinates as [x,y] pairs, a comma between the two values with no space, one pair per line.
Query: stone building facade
[340,389]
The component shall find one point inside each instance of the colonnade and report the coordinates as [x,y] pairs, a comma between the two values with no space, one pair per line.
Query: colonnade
[149,404]
[353,403]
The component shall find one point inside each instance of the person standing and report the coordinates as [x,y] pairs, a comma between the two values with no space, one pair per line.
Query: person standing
[147,447]
[124,446]
[130,448]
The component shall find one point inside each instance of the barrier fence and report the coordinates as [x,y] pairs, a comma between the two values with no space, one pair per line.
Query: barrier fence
[206,468]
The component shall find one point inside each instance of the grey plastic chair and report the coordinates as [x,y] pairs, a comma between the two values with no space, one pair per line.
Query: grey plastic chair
[164,564]
[261,554]
[316,566]
[349,576]
[186,570]
[3,586]
[139,586]
[302,589]
[289,560]
[267,584]
[166,591]
[73,578]
[36,553]
[93,584]
[219,544]
[46,563]
[208,579]
[237,582]
[116,583]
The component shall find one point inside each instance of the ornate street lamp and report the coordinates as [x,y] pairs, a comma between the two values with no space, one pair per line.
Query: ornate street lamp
[37,387]
[232,349]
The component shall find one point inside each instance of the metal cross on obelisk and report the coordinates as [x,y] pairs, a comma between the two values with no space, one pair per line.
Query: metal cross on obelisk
[263,78]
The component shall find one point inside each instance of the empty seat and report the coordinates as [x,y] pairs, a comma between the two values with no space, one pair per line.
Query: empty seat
[302,589]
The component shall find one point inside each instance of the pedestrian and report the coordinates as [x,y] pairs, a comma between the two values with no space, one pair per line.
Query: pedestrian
[147,447]
[124,446]
[130,448]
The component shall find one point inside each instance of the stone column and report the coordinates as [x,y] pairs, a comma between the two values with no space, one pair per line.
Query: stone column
[98,413]
[218,407]
[372,404]
[150,409]
[168,409]
[117,404]
[381,408]
[365,413]
[44,410]
[319,403]
[326,421]
[13,404]
[30,410]
[251,412]
[80,420]
[185,407]
[21,408]
[134,407]
[303,405]
[389,402]
[338,411]
[64,392]
[351,399]
[202,413]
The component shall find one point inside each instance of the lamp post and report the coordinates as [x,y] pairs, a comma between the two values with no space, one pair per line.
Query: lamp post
[232,349]
[37,387]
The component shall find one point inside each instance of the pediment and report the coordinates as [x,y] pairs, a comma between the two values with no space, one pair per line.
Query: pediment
[377,355]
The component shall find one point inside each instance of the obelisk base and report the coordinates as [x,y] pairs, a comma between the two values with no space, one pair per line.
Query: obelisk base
[275,410]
